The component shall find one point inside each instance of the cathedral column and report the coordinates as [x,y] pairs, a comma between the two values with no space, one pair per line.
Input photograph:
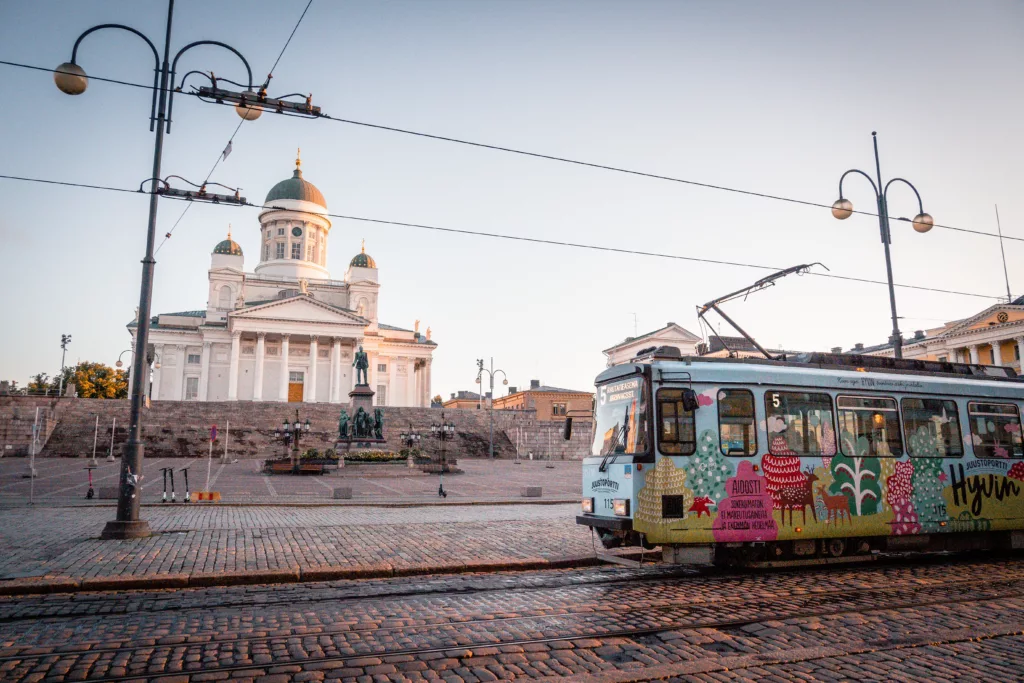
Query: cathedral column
[236,340]
[426,383]
[411,377]
[131,372]
[975,354]
[1020,350]
[283,390]
[336,370]
[204,372]
[997,353]
[158,356]
[314,351]
[257,377]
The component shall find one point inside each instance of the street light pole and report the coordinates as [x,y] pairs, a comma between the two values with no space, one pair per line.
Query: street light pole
[491,372]
[922,222]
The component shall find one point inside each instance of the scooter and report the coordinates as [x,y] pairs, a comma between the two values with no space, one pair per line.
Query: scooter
[91,493]
[166,471]
[188,497]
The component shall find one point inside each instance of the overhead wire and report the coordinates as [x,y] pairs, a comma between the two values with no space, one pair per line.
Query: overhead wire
[566,160]
[534,240]
[220,157]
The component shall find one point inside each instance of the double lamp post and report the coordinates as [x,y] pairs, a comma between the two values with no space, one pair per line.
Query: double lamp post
[922,222]
[70,78]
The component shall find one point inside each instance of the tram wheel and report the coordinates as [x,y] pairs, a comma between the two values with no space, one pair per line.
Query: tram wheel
[835,547]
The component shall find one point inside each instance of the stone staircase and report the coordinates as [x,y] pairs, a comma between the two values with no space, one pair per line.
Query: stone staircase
[182,428]
[18,414]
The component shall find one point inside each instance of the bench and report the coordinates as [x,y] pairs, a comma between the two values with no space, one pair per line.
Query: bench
[311,469]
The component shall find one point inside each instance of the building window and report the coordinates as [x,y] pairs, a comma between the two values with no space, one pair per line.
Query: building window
[194,359]
[296,250]
[266,252]
[736,429]
[558,409]
[191,388]
[295,377]
[995,430]
[280,232]
[943,359]
[382,395]
[1016,352]
[933,428]
[309,252]
[382,367]
[799,423]
[676,433]
[280,250]
[869,426]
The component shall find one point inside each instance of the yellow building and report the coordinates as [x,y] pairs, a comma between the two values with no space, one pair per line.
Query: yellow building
[551,403]
[465,399]
[994,336]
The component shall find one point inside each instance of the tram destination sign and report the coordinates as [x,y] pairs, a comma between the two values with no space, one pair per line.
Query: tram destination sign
[628,390]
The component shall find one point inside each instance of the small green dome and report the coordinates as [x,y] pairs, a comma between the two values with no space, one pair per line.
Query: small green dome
[296,188]
[362,259]
[229,247]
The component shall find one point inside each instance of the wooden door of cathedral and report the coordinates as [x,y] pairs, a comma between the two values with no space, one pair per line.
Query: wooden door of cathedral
[295,387]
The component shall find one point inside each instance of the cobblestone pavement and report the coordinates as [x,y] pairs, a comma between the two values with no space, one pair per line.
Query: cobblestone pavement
[61,481]
[911,620]
[60,543]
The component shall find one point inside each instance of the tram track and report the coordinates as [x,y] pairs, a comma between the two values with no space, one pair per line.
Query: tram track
[452,648]
[820,604]
[565,578]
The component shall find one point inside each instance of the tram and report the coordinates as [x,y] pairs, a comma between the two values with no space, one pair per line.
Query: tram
[731,461]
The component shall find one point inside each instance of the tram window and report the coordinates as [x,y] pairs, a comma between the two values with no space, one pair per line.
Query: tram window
[995,430]
[799,423]
[933,428]
[736,430]
[869,426]
[676,432]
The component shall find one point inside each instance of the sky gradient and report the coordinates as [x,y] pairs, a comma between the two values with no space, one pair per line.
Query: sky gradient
[778,98]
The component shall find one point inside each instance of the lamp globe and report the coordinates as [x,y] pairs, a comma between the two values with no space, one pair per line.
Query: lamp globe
[842,209]
[71,79]
[923,222]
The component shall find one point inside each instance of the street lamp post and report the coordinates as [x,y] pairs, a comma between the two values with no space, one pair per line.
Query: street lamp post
[922,222]
[65,339]
[291,433]
[490,372]
[70,78]
[444,431]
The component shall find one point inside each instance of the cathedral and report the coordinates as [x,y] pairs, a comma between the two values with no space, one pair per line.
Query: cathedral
[287,331]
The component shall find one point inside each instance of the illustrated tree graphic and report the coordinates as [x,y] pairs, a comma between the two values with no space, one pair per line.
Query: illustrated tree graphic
[709,469]
[664,480]
[899,487]
[927,480]
[781,468]
[858,477]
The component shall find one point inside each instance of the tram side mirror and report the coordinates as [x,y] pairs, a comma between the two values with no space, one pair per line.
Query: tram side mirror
[567,429]
[690,400]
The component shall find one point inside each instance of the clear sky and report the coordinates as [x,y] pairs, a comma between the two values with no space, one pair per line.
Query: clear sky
[778,97]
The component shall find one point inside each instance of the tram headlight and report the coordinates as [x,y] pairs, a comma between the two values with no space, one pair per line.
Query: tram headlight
[588,505]
[620,506]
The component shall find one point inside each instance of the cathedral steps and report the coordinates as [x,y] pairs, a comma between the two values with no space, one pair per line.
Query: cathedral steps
[182,429]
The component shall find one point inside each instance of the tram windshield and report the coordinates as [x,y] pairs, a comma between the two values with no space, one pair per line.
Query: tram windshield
[621,418]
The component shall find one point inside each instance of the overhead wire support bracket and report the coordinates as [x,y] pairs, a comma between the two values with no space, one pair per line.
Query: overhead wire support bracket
[763,283]
[261,101]
[200,194]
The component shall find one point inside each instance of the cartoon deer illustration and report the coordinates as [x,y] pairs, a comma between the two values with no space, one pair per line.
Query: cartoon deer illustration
[837,506]
[799,497]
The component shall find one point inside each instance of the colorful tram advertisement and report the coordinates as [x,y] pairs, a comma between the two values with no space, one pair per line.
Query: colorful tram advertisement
[741,460]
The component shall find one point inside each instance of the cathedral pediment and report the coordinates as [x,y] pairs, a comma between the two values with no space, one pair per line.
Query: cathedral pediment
[300,308]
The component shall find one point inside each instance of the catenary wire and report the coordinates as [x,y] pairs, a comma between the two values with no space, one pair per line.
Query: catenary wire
[539,240]
[551,157]
[220,157]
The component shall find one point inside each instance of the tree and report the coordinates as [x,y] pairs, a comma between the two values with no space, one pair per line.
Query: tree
[96,380]
[709,469]
[40,383]
[859,478]
[781,469]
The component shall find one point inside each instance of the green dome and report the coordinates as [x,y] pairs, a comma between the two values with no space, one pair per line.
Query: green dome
[362,260]
[296,188]
[229,247]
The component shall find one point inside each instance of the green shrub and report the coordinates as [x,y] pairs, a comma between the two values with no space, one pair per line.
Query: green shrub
[374,456]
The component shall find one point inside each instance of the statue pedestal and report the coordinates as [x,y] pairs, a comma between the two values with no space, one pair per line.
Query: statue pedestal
[361,397]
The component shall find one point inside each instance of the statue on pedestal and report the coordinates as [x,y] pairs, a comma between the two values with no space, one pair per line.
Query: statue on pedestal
[362,365]
[343,425]
[378,423]
[362,427]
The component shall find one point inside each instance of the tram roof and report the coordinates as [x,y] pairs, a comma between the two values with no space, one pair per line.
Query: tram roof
[837,371]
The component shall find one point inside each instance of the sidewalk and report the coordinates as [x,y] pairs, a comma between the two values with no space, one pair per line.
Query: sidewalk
[55,550]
